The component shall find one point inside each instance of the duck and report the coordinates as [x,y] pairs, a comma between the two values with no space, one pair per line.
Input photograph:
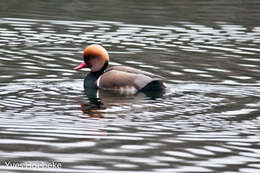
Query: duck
[117,78]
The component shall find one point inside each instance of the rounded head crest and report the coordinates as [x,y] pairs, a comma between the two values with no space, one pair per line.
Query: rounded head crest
[95,57]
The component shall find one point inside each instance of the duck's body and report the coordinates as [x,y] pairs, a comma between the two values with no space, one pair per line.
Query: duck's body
[122,78]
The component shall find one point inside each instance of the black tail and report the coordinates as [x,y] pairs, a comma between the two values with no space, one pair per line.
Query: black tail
[154,86]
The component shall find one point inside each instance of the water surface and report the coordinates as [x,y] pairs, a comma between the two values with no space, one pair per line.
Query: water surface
[208,121]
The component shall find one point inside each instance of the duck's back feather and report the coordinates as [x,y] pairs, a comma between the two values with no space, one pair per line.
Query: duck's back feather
[119,77]
[134,71]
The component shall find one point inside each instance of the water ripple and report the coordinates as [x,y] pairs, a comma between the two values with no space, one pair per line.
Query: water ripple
[208,121]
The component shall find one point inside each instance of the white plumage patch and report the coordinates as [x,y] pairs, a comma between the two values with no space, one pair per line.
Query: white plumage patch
[98,81]
[127,90]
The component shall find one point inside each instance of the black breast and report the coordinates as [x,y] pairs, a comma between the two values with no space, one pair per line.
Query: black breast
[90,80]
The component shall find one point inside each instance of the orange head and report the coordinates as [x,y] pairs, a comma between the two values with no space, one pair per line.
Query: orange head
[95,57]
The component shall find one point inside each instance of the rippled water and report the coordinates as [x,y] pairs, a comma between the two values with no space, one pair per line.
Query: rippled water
[208,121]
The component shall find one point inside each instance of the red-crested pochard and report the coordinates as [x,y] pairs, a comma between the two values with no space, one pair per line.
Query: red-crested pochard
[120,78]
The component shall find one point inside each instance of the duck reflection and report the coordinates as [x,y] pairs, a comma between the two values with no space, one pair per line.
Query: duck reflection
[100,100]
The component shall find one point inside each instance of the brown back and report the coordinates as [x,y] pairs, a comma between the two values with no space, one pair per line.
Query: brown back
[122,76]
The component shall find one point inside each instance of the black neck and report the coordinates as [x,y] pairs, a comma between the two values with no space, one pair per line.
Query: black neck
[91,79]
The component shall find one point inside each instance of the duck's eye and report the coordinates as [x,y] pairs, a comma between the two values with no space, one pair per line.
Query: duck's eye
[87,58]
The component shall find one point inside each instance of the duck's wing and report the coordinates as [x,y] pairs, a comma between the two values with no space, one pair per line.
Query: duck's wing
[122,79]
[135,71]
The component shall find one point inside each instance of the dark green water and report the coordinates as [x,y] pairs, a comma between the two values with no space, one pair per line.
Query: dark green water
[208,121]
